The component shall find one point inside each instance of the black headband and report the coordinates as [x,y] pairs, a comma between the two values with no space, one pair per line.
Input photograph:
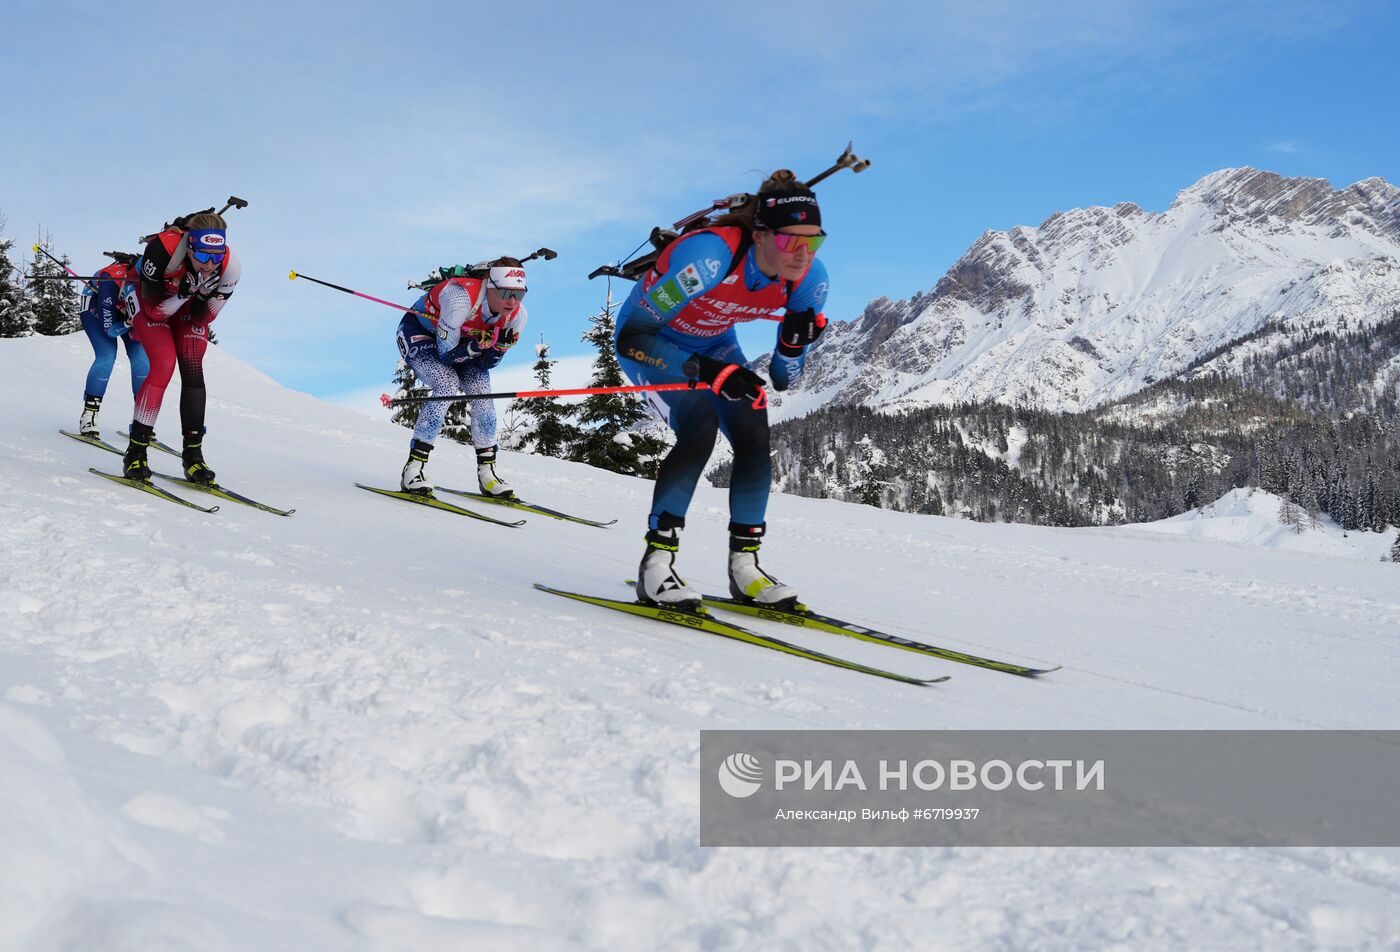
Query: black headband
[796,206]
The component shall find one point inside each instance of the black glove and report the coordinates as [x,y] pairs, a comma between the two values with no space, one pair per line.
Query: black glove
[507,338]
[729,381]
[799,329]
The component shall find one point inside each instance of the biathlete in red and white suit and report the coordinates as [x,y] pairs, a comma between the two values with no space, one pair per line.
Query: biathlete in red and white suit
[678,325]
[453,337]
[186,276]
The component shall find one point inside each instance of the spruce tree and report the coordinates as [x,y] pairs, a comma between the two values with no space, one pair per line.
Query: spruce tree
[55,302]
[1395,549]
[406,385]
[457,425]
[610,433]
[16,314]
[548,430]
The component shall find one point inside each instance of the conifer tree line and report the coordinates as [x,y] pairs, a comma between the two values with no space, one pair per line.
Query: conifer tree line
[1317,423]
[611,431]
[34,307]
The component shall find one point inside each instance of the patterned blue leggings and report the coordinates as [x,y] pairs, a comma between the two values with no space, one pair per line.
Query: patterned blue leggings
[419,349]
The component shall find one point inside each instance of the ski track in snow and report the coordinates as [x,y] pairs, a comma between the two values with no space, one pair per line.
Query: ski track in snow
[360,728]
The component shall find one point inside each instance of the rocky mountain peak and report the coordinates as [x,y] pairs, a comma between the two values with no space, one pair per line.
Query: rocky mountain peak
[1095,303]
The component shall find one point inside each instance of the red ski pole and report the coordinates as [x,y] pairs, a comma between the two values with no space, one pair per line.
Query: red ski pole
[759,402]
[389,401]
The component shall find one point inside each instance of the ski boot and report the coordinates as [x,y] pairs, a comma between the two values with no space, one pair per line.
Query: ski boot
[658,583]
[486,478]
[134,465]
[193,457]
[413,480]
[747,580]
[87,423]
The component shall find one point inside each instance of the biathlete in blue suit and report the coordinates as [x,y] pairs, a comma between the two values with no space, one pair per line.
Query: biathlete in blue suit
[105,320]
[678,325]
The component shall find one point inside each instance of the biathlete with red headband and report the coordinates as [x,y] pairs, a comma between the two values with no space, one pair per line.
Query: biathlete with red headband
[678,325]
[185,276]
[453,337]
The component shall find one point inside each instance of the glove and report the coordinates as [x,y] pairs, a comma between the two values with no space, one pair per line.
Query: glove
[507,339]
[196,285]
[476,341]
[729,381]
[799,329]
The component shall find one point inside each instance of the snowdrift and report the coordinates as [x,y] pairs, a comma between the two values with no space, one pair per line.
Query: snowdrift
[361,728]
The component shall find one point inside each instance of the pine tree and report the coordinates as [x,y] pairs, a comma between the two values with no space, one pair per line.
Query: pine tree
[1395,549]
[457,425]
[611,431]
[406,385]
[55,303]
[16,314]
[548,429]
[874,474]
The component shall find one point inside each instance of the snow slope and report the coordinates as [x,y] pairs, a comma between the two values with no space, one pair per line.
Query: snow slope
[360,728]
[1251,517]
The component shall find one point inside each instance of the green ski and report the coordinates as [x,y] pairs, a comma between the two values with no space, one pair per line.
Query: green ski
[803,617]
[153,490]
[432,502]
[701,620]
[96,441]
[527,507]
[214,489]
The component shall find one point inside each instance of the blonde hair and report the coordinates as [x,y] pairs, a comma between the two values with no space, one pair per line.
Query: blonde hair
[205,220]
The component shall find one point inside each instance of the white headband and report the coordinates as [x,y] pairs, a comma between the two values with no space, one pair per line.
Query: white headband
[508,278]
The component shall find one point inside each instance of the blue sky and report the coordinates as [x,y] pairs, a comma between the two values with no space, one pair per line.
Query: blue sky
[374,141]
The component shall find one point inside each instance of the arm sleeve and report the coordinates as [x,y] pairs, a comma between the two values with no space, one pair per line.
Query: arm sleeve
[154,262]
[455,309]
[810,293]
[698,263]
[106,302]
[206,311]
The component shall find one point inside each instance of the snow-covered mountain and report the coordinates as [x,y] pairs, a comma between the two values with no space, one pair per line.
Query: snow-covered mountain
[360,728]
[1096,303]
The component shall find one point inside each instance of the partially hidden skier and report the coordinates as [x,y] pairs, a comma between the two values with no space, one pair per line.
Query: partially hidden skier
[185,276]
[677,325]
[105,321]
[463,327]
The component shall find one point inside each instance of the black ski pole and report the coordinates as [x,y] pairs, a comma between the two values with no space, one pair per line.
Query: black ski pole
[61,277]
[47,254]
[235,202]
[633,269]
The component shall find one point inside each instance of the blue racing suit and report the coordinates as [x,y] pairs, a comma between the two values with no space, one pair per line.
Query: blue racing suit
[688,306]
[104,320]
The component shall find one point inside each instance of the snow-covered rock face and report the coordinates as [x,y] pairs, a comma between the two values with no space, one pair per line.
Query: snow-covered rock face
[1096,303]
